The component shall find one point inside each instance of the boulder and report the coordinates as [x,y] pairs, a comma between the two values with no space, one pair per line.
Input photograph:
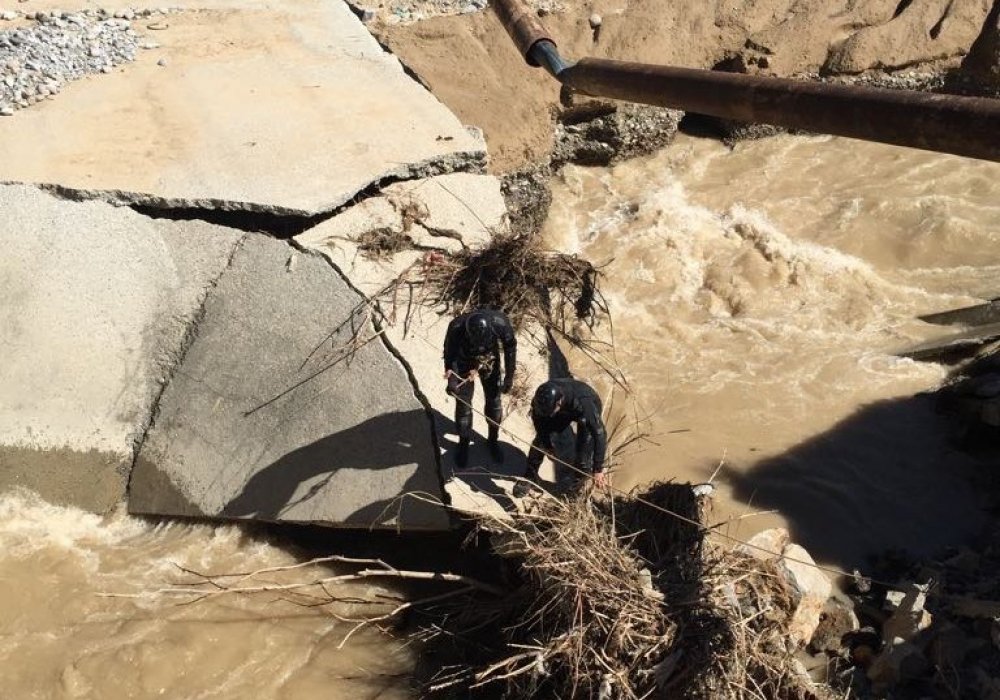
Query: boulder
[983,62]
[809,585]
[836,621]
[950,646]
[897,663]
[909,618]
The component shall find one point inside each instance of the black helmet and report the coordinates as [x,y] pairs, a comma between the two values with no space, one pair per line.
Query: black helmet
[547,398]
[477,330]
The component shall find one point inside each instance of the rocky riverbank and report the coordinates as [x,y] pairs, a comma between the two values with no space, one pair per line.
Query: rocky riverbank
[471,66]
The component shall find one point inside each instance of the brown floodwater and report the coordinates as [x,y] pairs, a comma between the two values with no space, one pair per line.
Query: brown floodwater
[59,638]
[758,296]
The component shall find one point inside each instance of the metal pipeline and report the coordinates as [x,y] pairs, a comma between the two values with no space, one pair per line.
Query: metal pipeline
[965,126]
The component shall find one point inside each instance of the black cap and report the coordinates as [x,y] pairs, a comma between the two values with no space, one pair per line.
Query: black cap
[546,400]
[477,329]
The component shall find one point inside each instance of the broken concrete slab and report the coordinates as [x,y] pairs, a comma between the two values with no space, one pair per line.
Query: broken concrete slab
[953,347]
[472,208]
[286,108]
[97,302]
[978,315]
[281,412]
[443,213]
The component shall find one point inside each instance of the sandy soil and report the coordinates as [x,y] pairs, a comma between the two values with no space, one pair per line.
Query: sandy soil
[471,65]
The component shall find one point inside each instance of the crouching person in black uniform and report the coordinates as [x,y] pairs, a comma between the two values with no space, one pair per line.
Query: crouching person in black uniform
[471,346]
[557,404]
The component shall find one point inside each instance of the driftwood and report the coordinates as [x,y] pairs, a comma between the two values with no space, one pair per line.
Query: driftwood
[618,600]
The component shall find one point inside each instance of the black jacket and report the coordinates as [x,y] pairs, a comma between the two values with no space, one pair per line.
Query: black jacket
[460,356]
[581,405]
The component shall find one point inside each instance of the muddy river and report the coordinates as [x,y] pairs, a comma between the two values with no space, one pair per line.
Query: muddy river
[758,297]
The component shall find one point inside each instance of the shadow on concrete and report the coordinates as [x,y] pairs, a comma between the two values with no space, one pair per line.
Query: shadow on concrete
[481,474]
[558,363]
[385,441]
[887,477]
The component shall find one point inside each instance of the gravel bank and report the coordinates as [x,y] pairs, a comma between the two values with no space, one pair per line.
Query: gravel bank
[40,53]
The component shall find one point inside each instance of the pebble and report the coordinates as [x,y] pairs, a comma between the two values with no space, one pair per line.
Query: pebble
[162,62]
[410,11]
[37,61]
[595,21]
[9,15]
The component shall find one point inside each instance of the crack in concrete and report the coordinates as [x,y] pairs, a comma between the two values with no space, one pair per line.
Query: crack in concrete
[172,362]
[279,221]
[407,368]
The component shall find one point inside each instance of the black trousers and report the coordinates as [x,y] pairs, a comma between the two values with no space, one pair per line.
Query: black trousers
[489,377]
[557,444]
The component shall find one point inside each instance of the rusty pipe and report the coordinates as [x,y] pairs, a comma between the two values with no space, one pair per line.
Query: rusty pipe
[965,126]
[523,27]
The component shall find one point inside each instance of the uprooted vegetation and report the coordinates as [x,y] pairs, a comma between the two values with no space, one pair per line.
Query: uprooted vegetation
[513,272]
[618,598]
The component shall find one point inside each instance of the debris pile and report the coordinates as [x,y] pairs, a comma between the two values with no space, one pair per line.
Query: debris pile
[936,633]
[514,273]
[623,598]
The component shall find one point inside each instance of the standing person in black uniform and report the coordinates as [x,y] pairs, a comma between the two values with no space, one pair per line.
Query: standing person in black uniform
[472,346]
[557,404]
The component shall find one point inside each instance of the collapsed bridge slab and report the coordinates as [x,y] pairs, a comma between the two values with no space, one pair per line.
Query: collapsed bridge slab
[287,107]
[289,407]
[97,302]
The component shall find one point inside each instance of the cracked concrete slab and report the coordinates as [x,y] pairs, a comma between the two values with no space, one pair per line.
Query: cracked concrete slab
[97,302]
[286,107]
[445,212]
[473,209]
[280,412]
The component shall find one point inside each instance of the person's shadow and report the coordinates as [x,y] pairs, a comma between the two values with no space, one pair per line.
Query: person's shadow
[388,441]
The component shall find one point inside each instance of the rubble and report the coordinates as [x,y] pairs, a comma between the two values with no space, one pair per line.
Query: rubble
[36,61]
[809,585]
[909,618]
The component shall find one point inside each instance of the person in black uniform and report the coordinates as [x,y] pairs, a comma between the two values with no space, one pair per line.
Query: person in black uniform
[557,404]
[471,346]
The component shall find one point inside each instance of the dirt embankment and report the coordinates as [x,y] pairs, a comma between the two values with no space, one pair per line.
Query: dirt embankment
[470,64]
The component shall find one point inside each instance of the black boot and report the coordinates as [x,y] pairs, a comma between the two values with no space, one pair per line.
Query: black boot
[495,452]
[462,457]
[494,445]
[525,485]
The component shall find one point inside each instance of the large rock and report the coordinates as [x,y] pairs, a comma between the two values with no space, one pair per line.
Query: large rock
[983,62]
[809,585]
[280,412]
[909,618]
[287,107]
[97,302]
[925,30]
